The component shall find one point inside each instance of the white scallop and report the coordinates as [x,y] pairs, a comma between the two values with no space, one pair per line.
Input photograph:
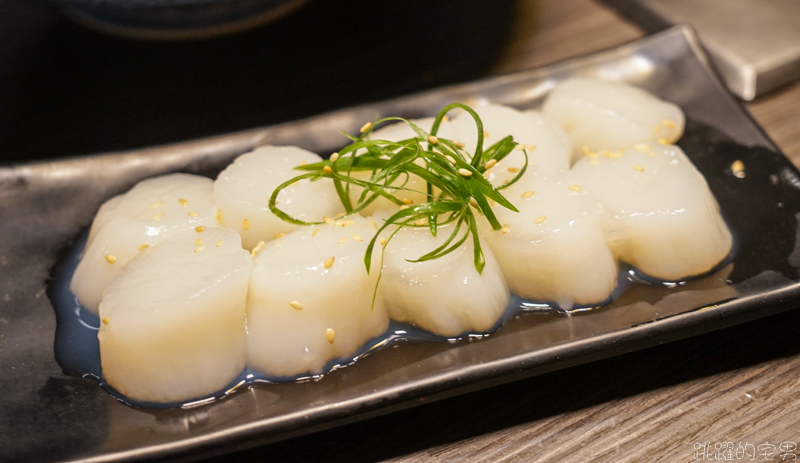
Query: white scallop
[548,147]
[174,319]
[150,212]
[554,248]
[242,191]
[661,216]
[295,300]
[446,296]
[103,216]
[602,115]
[397,132]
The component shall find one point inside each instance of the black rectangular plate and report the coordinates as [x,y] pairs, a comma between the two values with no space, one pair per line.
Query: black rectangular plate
[48,416]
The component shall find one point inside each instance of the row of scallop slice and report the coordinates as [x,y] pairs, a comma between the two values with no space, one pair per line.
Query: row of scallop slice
[179,265]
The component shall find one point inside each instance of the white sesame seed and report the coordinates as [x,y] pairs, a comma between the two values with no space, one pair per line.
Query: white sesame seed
[513,170]
[374,225]
[407,201]
[432,140]
[219,216]
[327,169]
[575,188]
[156,205]
[490,163]
[450,159]
[365,127]
[245,225]
[383,241]
[329,262]
[200,229]
[505,229]
[106,320]
[334,157]
[641,147]
[668,124]
[194,214]
[280,235]
[199,249]
[219,243]
[158,216]
[464,172]
[257,248]
[330,335]
[738,168]
[198,241]
[183,202]
[662,141]
[357,238]
[296,305]
[528,194]
[314,233]
[638,168]
[143,246]
[540,219]
[110,258]
[458,144]
[342,240]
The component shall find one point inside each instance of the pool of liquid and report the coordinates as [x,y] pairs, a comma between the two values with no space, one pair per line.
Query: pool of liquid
[77,348]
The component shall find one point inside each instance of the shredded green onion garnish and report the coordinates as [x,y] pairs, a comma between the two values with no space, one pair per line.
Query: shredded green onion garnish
[392,163]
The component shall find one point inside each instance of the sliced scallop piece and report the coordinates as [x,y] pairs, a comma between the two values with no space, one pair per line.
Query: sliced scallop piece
[446,296]
[554,250]
[104,214]
[242,192]
[173,322]
[547,145]
[605,116]
[150,212]
[311,299]
[661,216]
[396,132]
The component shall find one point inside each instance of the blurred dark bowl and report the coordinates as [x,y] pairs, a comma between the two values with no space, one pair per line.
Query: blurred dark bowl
[175,19]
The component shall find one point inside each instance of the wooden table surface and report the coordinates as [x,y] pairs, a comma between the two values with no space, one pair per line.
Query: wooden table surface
[739,385]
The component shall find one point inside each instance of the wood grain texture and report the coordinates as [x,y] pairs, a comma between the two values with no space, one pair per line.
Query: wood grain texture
[779,114]
[739,385]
